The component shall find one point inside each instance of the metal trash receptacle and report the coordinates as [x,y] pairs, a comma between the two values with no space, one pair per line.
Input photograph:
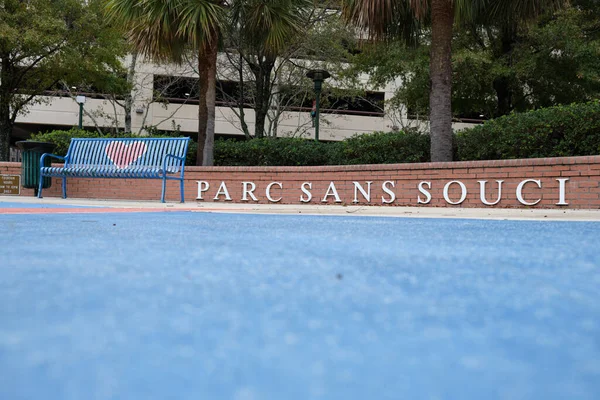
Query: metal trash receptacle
[30,163]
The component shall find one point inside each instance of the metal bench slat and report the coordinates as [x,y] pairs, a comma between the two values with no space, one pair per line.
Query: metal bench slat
[78,149]
[169,160]
[100,155]
[176,151]
[88,155]
[181,152]
[160,149]
[167,150]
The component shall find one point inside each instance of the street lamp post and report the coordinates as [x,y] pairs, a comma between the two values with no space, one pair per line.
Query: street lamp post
[81,101]
[318,76]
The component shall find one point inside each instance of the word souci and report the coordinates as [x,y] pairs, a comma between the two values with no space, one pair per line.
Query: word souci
[362,192]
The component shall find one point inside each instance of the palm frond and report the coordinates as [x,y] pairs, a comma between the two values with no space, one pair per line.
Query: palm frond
[268,24]
[387,19]
[165,29]
[382,19]
[522,10]
[200,21]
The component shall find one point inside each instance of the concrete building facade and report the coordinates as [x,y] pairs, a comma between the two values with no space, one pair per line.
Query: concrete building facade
[59,110]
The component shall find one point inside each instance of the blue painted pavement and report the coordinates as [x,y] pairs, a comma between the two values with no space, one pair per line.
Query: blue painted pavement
[14,204]
[220,306]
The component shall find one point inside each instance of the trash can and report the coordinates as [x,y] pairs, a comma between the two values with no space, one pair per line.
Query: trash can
[30,163]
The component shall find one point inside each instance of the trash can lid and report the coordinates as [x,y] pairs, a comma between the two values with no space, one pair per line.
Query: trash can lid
[30,145]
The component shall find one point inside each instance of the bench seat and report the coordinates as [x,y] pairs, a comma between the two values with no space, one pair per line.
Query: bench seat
[107,172]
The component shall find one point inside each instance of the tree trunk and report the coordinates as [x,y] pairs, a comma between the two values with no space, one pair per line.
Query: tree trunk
[263,95]
[129,98]
[242,98]
[5,128]
[207,67]
[209,144]
[203,73]
[262,70]
[5,117]
[502,85]
[440,96]
[259,113]
[504,95]
[275,126]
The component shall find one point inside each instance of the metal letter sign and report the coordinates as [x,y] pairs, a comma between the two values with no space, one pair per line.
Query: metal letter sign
[10,185]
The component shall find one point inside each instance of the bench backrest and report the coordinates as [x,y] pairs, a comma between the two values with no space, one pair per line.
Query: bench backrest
[125,153]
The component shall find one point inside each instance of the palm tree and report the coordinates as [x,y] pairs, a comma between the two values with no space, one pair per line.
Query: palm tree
[166,30]
[402,18]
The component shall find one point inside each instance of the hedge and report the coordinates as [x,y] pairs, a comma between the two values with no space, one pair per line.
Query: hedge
[376,148]
[267,151]
[61,139]
[382,148]
[394,147]
[560,131]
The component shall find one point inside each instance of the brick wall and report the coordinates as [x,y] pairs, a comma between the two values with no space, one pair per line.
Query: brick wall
[580,179]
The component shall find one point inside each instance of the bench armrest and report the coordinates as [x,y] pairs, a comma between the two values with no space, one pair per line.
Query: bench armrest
[50,155]
[175,157]
[181,159]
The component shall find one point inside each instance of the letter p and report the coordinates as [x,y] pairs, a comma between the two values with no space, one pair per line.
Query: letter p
[203,186]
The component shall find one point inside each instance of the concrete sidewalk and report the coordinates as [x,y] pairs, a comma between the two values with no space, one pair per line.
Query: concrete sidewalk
[312,209]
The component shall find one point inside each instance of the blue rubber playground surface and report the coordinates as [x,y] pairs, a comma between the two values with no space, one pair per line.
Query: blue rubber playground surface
[190,305]
[13,204]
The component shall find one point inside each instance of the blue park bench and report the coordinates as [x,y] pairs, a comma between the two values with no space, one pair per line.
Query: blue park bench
[143,158]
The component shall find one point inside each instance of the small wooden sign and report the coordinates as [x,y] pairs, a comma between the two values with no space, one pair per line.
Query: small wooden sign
[10,185]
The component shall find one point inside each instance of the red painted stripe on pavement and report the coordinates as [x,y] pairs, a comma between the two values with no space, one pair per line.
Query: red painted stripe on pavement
[99,210]
[85,210]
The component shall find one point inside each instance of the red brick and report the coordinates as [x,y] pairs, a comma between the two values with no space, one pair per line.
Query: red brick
[582,191]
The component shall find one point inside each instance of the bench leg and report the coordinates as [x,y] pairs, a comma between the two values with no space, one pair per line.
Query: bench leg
[162,196]
[39,193]
[181,189]
[64,187]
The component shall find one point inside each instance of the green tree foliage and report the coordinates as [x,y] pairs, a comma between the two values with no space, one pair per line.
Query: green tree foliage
[557,61]
[385,19]
[553,60]
[44,43]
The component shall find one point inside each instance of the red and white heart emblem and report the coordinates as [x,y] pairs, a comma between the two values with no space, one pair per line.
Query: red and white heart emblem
[122,155]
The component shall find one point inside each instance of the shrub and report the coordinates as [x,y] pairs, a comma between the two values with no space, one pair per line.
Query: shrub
[560,131]
[383,148]
[62,138]
[268,151]
[190,158]
[376,148]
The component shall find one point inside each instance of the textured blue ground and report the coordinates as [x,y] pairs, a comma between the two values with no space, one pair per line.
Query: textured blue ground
[216,306]
[14,204]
